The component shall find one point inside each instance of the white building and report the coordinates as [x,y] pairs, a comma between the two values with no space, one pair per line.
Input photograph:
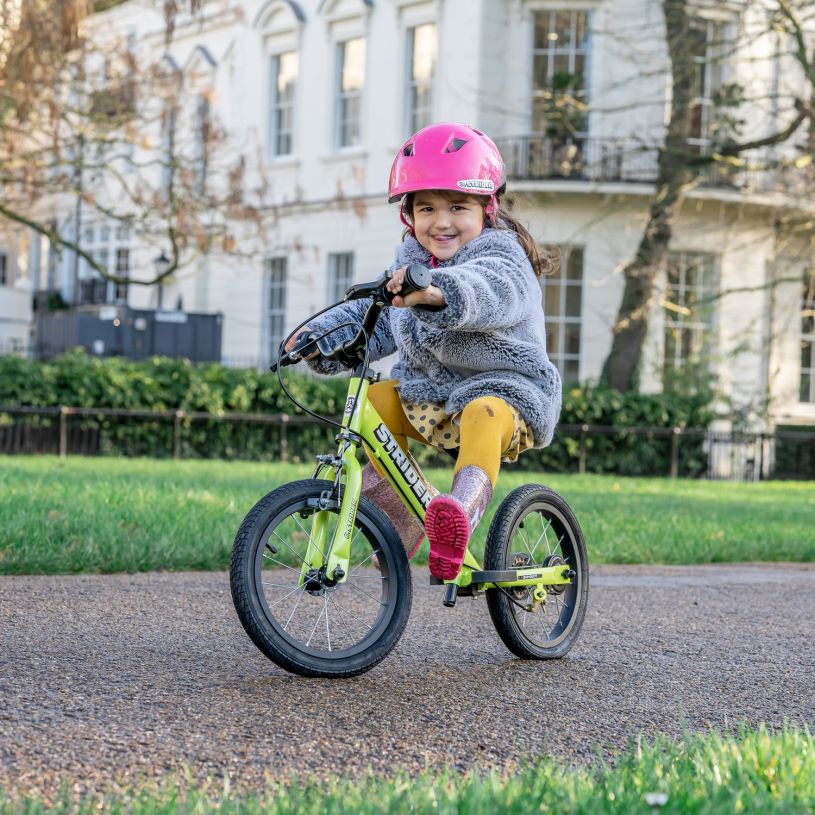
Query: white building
[318,95]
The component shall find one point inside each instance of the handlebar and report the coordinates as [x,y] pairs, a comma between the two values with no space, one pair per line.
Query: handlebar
[417,278]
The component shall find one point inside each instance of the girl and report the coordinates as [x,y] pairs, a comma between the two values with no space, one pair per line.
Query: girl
[473,376]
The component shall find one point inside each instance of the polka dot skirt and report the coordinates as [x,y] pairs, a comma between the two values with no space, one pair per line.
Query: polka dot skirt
[442,431]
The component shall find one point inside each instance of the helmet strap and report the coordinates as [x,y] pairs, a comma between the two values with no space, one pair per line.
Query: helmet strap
[491,210]
[403,217]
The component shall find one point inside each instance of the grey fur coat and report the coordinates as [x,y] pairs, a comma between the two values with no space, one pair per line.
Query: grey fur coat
[489,340]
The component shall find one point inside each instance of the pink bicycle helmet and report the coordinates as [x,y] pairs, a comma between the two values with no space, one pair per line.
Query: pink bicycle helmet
[448,156]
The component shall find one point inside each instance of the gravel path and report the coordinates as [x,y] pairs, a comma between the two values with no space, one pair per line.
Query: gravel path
[111,678]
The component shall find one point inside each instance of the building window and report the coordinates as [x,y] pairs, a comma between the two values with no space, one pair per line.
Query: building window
[706,39]
[110,249]
[689,303]
[340,275]
[808,340]
[4,281]
[562,305]
[560,73]
[350,79]
[421,69]
[203,126]
[276,275]
[284,70]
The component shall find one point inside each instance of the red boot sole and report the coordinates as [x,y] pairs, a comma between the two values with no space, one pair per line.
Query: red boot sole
[448,532]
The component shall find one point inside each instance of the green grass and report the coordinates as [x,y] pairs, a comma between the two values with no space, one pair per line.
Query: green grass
[110,515]
[756,772]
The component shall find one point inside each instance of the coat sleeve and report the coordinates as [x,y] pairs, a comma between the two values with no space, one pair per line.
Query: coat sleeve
[487,292]
[382,341]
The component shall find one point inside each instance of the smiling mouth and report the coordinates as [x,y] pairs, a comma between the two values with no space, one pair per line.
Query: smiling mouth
[443,237]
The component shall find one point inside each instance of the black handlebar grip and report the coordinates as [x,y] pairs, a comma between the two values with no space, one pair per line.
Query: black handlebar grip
[417,277]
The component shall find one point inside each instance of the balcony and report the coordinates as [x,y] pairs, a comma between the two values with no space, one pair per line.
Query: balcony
[542,158]
[95,291]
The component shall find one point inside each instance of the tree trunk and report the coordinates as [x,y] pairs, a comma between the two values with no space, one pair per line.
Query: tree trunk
[622,363]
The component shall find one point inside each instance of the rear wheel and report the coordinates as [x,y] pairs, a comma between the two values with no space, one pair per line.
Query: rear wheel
[317,626]
[534,526]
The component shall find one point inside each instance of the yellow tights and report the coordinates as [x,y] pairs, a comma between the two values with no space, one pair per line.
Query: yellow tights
[487,426]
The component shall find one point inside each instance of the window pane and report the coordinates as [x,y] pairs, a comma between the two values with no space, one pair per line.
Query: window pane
[553,340]
[551,297]
[561,34]
[424,52]
[340,275]
[572,338]
[276,271]
[353,65]
[288,65]
[806,388]
[581,29]
[285,68]
[806,354]
[541,72]
[542,29]
[574,266]
[573,297]
[562,301]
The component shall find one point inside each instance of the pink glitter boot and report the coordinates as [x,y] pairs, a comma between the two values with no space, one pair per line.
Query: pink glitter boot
[378,490]
[450,520]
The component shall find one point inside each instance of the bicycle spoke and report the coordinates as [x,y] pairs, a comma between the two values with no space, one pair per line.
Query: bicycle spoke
[316,623]
[543,535]
[369,596]
[522,532]
[327,628]
[284,565]
[360,565]
[310,539]
[302,594]
[340,616]
[355,616]
[288,546]
[280,600]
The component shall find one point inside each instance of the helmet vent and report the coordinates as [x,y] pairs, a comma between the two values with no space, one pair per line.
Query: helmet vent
[455,145]
[408,151]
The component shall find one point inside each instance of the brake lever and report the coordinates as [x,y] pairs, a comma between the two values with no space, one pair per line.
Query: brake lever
[294,356]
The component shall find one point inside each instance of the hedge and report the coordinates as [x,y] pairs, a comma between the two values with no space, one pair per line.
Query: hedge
[158,384]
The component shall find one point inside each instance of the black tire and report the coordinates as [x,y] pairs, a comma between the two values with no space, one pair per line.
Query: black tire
[552,629]
[369,609]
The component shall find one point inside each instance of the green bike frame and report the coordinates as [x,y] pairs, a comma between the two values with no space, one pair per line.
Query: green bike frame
[362,424]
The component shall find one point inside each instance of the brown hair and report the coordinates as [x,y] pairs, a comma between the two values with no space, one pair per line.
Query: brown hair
[543,260]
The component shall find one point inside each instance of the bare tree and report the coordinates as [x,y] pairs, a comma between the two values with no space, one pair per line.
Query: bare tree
[680,168]
[85,126]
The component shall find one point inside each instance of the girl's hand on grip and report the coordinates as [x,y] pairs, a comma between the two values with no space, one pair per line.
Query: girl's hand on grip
[431,296]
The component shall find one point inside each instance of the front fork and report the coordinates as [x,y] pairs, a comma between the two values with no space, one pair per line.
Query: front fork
[347,473]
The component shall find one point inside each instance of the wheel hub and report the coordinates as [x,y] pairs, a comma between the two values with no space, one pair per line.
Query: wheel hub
[317,581]
[555,560]
[520,560]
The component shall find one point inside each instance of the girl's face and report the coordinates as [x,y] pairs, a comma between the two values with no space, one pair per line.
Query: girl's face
[444,222]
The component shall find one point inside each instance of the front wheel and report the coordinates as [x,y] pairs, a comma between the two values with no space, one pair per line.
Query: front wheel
[534,526]
[318,626]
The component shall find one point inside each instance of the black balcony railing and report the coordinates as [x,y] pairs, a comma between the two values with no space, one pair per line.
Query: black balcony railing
[97,292]
[537,158]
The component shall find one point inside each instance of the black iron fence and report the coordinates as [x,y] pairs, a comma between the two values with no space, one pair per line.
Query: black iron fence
[658,451]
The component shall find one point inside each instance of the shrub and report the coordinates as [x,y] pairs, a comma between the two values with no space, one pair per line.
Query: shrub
[162,384]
